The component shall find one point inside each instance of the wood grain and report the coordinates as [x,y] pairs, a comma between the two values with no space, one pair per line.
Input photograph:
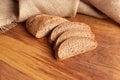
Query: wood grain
[9,73]
[23,57]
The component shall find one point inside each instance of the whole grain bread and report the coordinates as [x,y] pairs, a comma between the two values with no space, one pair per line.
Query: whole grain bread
[67,26]
[41,25]
[74,46]
[72,33]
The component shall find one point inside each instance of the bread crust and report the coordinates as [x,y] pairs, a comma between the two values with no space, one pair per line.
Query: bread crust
[67,44]
[72,33]
[41,25]
[67,26]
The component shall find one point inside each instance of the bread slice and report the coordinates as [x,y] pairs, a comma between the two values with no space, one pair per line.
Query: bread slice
[74,46]
[67,26]
[41,25]
[72,33]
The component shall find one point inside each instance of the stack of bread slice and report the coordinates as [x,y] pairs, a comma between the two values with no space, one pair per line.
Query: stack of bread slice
[69,38]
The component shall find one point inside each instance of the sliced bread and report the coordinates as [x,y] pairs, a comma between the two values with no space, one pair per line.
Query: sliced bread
[72,33]
[74,46]
[67,26]
[41,25]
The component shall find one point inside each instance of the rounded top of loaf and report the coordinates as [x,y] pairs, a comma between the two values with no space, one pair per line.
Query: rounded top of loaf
[41,25]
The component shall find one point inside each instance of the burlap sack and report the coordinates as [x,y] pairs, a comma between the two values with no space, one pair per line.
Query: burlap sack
[86,8]
[13,11]
[8,14]
[61,8]
[110,7]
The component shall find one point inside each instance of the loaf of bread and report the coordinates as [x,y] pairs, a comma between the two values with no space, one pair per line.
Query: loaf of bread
[74,46]
[41,25]
[72,33]
[67,26]
[70,38]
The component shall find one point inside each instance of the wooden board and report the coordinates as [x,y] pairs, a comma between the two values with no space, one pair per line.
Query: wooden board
[23,57]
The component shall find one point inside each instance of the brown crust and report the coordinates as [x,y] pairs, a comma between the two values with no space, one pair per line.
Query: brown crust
[72,33]
[41,25]
[67,26]
[63,44]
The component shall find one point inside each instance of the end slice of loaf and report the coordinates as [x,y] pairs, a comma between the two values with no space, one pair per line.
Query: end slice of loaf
[67,26]
[74,46]
[41,25]
[72,33]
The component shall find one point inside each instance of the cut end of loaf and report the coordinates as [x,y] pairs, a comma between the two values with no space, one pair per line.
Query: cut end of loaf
[74,46]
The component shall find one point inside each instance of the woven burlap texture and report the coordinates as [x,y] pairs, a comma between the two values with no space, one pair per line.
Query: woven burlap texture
[13,11]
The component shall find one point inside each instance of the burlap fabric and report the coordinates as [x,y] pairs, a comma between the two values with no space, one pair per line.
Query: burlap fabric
[14,11]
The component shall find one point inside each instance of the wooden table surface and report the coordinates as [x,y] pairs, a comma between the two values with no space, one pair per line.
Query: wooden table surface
[23,57]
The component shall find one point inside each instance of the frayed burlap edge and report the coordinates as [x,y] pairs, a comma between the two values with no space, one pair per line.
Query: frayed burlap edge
[7,27]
